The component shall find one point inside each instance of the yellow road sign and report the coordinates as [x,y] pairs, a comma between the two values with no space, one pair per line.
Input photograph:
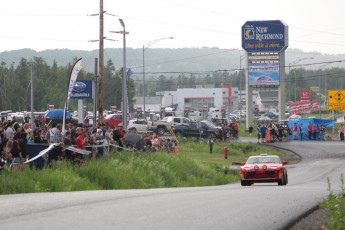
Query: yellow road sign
[336,99]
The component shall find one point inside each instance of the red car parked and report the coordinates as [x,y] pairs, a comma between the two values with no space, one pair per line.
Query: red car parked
[263,168]
[113,119]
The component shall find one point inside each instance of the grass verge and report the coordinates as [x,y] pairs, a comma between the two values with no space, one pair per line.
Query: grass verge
[193,166]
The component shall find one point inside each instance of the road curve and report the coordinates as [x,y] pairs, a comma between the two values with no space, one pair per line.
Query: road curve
[261,206]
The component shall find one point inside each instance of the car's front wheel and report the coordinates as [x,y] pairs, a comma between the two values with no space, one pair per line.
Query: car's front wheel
[246,183]
[243,183]
[282,181]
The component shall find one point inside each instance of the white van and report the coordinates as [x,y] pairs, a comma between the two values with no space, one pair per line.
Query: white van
[19,117]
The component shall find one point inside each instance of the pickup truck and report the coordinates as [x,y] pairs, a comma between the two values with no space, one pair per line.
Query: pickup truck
[161,126]
[204,130]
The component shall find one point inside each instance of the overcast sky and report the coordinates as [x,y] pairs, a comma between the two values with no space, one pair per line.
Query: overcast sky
[314,25]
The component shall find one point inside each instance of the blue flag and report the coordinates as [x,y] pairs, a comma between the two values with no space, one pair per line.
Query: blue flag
[129,73]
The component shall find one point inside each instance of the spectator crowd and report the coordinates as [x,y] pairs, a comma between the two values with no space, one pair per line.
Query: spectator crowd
[100,141]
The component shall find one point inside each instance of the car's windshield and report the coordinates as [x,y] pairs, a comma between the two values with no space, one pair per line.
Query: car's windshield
[209,124]
[260,159]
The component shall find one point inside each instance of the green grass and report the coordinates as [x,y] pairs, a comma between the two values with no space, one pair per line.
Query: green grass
[193,166]
[335,207]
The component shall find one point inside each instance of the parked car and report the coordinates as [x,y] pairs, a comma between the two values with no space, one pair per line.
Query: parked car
[205,129]
[139,125]
[161,126]
[114,119]
[56,115]
[263,168]
[271,115]
[220,122]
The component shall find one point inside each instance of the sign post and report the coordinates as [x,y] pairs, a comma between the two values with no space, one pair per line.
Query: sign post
[265,43]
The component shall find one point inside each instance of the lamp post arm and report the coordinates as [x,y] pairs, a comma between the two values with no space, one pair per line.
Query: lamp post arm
[298,60]
[147,45]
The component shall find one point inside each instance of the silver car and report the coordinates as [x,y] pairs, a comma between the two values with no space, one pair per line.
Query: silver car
[139,125]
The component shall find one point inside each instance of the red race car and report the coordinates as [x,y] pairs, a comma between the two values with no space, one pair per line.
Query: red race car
[262,169]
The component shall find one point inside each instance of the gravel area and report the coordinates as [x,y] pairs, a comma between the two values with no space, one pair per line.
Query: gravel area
[315,220]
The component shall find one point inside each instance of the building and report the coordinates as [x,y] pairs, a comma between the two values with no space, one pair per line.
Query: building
[266,100]
[200,99]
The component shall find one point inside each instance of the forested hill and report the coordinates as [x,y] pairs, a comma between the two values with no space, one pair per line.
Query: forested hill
[160,60]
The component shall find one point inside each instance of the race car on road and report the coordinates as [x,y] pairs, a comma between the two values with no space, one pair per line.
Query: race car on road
[262,169]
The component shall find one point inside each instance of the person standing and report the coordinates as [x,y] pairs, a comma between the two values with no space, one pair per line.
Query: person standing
[51,133]
[210,143]
[263,131]
[314,131]
[295,131]
[15,124]
[67,141]
[301,131]
[341,132]
[9,133]
[310,130]
[108,139]
[250,129]
[82,141]
[118,135]
[258,129]
[93,143]
[57,134]
[322,131]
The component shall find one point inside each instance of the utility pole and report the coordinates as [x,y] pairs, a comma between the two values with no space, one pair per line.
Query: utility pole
[96,95]
[32,96]
[101,65]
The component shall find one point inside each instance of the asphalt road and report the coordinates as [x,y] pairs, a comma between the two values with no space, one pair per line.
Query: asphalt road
[261,206]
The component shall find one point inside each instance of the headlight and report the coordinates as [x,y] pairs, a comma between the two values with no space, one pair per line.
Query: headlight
[264,167]
[256,167]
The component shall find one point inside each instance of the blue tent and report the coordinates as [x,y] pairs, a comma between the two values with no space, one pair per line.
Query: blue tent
[305,122]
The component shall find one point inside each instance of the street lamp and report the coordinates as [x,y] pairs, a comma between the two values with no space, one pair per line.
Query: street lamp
[291,64]
[124,75]
[145,47]
[320,68]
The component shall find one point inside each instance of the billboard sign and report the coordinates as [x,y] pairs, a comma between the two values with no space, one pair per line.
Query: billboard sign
[304,95]
[299,107]
[264,36]
[82,89]
[263,69]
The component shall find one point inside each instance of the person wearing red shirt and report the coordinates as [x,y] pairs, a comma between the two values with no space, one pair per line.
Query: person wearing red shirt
[81,140]
[314,131]
[295,131]
[310,130]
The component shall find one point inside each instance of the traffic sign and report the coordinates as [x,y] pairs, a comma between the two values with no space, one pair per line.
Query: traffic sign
[336,99]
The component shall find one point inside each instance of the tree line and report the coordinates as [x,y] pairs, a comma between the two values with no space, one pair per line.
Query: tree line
[50,83]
